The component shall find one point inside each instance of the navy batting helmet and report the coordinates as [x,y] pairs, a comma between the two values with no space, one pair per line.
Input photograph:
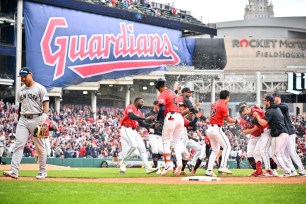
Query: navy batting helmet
[160,82]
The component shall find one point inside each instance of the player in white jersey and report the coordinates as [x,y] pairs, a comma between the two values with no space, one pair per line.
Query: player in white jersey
[33,109]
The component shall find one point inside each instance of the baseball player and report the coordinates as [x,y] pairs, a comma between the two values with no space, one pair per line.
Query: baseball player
[259,142]
[2,146]
[155,136]
[173,128]
[290,151]
[205,153]
[33,110]
[243,124]
[130,123]
[217,137]
[190,142]
[275,119]
[189,107]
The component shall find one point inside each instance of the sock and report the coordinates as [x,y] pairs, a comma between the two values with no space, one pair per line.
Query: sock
[258,167]
[174,162]
[155,160]
[273,164]
[167,159]
[219,162]
[252,162]
[198,163]
[184,164]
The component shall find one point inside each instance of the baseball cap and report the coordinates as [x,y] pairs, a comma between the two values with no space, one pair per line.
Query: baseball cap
[186,89]
[155,103]
[275,94]
[24,71]
[181,103]
[269,98]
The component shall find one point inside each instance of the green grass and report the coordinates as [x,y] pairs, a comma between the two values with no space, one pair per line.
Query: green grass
[21,191]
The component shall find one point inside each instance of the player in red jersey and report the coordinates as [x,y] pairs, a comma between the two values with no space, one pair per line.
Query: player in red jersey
[130,123]
[173,123]
[217,137]
[250,126]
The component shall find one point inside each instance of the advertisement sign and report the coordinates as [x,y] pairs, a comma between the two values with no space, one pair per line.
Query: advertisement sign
[66,47]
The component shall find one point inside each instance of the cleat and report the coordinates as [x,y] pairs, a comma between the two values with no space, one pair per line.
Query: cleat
[268,173]
[167,170]
[151,170]
[193,172]
[256,174]
[190,167]
[11,174]
[302,173]
[294,173]
[122,172]
[274,173]
[289,174]
[224,171]
[158,172]
[41,175]
[210,173]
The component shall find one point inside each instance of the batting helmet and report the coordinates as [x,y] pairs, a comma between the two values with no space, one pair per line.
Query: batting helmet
[160,82]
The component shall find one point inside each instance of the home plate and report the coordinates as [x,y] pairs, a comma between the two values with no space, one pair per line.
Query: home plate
[201,178]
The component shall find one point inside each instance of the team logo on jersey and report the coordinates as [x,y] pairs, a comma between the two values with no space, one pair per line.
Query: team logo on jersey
[104,53]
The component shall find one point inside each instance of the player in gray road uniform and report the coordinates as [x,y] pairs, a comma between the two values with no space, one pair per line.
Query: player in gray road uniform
[2,146]
[33,109]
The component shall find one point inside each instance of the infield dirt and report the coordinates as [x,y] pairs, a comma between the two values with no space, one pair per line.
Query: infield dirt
[159,180]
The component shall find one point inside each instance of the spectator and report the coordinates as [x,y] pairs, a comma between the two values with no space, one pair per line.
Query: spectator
[75,125]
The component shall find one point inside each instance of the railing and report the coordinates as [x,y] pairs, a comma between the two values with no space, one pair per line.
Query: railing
[151,11]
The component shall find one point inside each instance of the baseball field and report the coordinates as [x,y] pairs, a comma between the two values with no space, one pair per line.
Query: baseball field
[106,185]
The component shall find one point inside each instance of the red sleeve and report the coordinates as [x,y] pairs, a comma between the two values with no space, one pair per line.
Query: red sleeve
[186,122]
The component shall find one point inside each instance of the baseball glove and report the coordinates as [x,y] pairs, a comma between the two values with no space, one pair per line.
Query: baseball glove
[42,130]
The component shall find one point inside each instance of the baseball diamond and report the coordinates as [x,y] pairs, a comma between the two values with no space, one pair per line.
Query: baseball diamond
[138,101]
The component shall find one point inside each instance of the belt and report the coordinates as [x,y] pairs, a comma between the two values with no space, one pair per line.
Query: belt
[129,127]
[215,125]
[31,116]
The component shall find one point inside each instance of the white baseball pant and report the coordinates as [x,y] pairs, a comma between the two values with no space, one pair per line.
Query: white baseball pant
[254,143]
[264,147]
[180,150]
[156,143]
[278,146]
[218,138]
[291,153]
[133,141]
[191,144]
[173,129]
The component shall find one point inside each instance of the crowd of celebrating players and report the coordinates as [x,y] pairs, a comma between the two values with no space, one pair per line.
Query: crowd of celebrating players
[76,133]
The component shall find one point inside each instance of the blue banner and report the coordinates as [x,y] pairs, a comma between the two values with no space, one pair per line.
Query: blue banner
[66,47]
